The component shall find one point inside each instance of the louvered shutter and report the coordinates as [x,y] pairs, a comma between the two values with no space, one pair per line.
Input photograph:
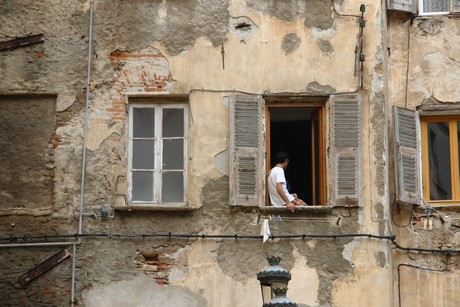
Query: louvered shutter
[246,150]
[346,149]
[407,157]
[409,6]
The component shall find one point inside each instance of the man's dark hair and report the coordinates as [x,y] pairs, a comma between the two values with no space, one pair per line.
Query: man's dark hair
[280,157]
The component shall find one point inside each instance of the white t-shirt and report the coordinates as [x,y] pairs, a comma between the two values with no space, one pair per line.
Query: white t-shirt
[277,175]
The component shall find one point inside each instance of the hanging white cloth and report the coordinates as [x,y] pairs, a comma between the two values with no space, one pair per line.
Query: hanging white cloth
[265,231]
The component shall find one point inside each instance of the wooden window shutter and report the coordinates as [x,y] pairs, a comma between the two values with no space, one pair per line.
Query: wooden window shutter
[409,6]
[407,157]
[346,149]
[246,150]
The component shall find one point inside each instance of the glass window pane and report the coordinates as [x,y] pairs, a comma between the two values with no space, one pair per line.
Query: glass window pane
[142,186]
[143,154]
[173,122]
[143,122]
[433,6]
[439,161]
[173,154]
[173,187]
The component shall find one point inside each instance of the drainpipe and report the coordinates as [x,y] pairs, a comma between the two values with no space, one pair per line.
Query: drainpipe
[83,165]
[83,170]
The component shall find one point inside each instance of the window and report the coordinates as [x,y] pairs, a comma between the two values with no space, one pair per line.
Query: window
[427,153]
[297,129]
[261,127]
[440,157]
[439,6]
[157,153]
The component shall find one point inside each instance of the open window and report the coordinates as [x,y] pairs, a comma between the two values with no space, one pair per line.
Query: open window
[298,129]
[320,172]
[427,155]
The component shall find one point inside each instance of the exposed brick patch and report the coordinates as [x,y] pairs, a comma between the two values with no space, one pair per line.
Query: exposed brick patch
[137,73]
[157,265]
[117,54]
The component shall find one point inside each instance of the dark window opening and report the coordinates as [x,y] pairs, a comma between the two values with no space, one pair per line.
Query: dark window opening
[298,130]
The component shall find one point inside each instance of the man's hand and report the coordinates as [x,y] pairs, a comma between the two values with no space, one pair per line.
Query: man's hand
[290,206]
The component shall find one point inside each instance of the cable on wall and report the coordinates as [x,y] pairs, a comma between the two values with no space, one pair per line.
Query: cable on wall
[236,236]
[416,267]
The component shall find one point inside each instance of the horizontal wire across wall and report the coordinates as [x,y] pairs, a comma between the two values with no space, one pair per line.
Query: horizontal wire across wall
[41,238]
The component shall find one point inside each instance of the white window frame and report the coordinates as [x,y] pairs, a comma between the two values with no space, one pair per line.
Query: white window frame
[157,200]
[423,13]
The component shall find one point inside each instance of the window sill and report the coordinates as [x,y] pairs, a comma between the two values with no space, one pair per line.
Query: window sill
[297,209]
[427,14]
[444,205]
[437,14]
[156,207]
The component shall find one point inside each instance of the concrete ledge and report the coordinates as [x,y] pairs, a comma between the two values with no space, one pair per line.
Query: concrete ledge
[26,211]
[325,209]
[156,207]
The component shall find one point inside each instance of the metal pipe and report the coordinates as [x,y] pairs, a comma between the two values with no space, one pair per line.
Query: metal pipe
[83,165]
[38,244]
[72,291]
[85,125]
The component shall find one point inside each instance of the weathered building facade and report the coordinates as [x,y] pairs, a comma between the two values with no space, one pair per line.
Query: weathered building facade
[137,136]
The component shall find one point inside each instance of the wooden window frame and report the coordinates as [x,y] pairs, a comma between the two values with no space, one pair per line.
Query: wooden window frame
[454,154]
[322,143]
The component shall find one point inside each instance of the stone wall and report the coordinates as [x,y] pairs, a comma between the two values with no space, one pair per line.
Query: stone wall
[423,73]
[203,50]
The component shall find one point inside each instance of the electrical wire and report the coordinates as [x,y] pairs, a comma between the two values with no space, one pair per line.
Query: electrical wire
[408,60]
[302,93]
[416,267]
[393,218]
[169,235]
[203,236]
[334,9]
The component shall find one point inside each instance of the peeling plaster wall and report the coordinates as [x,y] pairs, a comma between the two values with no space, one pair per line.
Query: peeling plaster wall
[146,48]
[433,61]
[423,75]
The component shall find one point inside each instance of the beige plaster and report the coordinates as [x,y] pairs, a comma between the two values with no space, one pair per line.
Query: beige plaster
[206,277]
[368,277]
[258,64]
[98,131]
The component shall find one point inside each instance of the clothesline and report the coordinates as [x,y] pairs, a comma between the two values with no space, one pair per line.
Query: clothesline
[278,218]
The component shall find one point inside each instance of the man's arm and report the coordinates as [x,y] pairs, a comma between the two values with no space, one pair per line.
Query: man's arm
[279,189]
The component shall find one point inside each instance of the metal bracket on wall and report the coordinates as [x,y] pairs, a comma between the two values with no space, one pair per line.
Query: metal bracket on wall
[43,267]
[22,41]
